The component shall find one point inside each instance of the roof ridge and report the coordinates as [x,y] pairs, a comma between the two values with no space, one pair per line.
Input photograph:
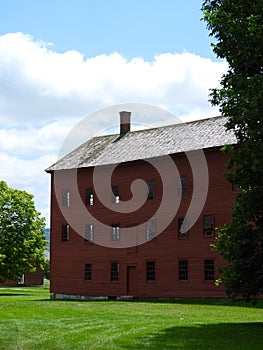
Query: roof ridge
[164,126]
[148,143]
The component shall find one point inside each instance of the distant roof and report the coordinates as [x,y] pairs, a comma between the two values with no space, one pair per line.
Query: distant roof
[150,143]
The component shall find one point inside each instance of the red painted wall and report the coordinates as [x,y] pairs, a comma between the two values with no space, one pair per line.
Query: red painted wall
[30,279]
[68,258]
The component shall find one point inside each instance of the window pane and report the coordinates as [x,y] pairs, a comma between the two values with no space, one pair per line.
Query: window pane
[209,270]
[183,270]
[89,196]
[89,233]
[183,228]
[150,230]
[150,270]
[150,185]
[88,269]
[22,279]
[115,271]
[115,195]
[65,198]
[182,186]
[208,225]
[65,233]
[115,233]
[236,187]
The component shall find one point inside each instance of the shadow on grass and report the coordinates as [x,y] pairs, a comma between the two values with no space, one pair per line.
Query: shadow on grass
[223,336]
[20,291]
[14,294]
[253,303]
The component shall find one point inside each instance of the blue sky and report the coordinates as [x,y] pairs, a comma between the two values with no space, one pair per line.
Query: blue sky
[130,27]
[64,60]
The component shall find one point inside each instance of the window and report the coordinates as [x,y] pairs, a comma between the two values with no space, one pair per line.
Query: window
[208,225]
[114,275]
[150,270]
[183,270]
[65,198]
[182,186]
[209,270]
[89,233]
[88,270]
[115,232]
[183,231]
[21,280]
[150,230]
[65,233]
[89,196]
[150,185]
[115,195]
[236,187]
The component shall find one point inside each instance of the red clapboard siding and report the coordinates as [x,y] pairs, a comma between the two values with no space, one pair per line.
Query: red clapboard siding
[68,259]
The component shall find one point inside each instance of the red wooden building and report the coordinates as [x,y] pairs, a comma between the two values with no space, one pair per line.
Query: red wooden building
[105,243]
[29,279]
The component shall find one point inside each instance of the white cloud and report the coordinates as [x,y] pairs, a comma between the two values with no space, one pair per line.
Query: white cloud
[29,175]
[43,93]
[40,85]
[45,139]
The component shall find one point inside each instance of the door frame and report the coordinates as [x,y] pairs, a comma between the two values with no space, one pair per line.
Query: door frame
[134,287]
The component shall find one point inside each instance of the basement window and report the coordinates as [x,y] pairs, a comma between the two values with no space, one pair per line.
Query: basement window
[209,270]
[183,270]
[183,231]
[150,270]
[65,233]
[115,194]
[115,232]
[88,271]
[208,222]
[89,233]
[115,267]
[89,196]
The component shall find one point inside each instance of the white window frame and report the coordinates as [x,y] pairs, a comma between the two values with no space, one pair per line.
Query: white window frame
[150,229]
[89,232]
[115,232]
[66,198]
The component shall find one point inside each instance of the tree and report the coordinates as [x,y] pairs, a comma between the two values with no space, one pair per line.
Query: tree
[22,239]
[47,269]
[237,27]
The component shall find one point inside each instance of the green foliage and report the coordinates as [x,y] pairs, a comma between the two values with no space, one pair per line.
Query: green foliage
[47,269]
[238,30]
[22,239]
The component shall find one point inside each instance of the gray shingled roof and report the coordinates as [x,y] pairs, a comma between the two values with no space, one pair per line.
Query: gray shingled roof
[150,143]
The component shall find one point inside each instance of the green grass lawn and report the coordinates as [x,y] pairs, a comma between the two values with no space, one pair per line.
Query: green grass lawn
[29,320]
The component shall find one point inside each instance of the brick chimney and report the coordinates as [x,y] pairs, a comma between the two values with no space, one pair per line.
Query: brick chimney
[125,122]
